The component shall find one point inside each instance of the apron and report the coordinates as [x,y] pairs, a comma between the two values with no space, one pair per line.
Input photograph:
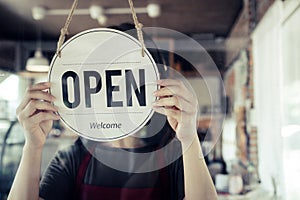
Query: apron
[91,192]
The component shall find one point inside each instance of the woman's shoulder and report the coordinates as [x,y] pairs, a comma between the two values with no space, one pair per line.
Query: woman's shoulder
[74,151]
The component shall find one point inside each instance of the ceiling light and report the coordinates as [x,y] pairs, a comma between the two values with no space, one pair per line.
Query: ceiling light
[102,19]
[153,10]
[39,12]
[38,63]
[95,11]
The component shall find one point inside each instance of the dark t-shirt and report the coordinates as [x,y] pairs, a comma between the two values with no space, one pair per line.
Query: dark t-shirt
[110,168]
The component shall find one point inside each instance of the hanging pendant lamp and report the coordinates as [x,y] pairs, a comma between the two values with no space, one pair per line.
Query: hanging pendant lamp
[38,63]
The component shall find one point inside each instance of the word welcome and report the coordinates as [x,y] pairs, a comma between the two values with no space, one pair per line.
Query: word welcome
[95,125]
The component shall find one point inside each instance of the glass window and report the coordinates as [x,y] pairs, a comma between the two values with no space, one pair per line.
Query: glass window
[291,104]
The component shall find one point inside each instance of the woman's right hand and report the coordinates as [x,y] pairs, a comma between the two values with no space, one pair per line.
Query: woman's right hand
[36,114]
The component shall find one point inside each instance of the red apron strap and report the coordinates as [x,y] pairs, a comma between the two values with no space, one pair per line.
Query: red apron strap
[164,177]
[81,173]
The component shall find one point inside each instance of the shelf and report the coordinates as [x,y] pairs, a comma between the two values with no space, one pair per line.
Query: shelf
[257,194]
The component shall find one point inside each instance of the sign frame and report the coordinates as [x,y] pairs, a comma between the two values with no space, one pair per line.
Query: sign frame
[147,54]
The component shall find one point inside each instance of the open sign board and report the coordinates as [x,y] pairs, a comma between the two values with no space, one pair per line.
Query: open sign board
[102,84]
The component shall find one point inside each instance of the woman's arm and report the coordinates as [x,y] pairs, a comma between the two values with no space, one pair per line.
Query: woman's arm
[36,115]
[180,106]
[27,179]
[198,182]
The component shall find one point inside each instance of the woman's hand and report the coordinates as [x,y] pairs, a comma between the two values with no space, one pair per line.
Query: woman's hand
[36,114]
[180,106]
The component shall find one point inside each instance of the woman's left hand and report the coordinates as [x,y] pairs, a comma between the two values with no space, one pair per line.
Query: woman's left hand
[179,105]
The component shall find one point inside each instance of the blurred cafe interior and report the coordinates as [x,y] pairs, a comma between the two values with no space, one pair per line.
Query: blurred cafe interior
[249,116]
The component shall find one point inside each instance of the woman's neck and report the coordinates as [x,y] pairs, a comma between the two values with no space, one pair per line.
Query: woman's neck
[128,143]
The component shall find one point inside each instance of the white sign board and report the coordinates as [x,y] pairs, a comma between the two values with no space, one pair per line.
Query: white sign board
[103,86]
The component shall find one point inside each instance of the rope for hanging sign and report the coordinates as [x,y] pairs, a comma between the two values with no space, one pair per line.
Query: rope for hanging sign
[138,27]
[64,30]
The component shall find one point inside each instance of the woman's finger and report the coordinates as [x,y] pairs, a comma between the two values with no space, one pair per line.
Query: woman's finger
[173,90]
[174,87]
[39,86]
[168,82]
[43,116]
[36,92]
[175,101]
[35,105]
[31,92]
[170,112]
[168,101]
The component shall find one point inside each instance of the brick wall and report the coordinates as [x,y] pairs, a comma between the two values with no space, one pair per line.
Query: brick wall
[239,37]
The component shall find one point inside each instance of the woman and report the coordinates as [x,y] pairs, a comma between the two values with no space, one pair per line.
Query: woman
[76,173]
